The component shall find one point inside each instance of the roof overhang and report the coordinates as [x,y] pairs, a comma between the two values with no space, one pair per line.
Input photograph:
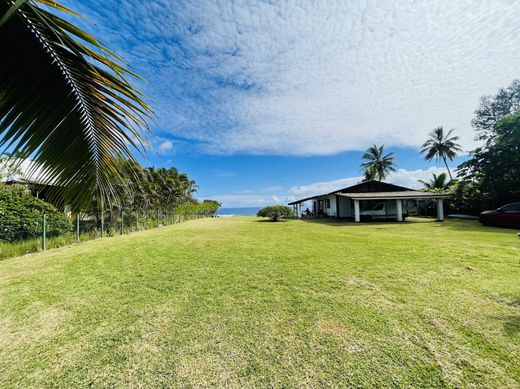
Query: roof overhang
[404,195]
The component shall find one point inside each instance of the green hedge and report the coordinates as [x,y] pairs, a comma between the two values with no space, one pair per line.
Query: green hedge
[21,215]
[275,212]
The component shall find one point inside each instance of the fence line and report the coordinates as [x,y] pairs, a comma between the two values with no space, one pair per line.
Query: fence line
[91,227]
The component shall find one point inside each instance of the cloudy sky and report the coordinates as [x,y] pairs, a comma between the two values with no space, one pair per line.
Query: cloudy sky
[264,101]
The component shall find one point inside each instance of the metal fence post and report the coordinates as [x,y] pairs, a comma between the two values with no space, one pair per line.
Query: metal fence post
[44,233]
[102,223]
[157,217]
[122,221]
[77,227]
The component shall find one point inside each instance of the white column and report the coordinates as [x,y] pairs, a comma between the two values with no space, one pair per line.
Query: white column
[399,206]
[440,210]
[357,218]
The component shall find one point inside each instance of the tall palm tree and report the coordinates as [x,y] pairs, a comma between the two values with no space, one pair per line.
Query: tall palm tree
[65,101]
[441,146]
[437,182]
[377,164]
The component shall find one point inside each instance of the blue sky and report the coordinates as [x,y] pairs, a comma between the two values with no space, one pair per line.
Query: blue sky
[265,101]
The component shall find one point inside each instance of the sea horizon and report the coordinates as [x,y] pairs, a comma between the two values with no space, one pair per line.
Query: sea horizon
[238,211]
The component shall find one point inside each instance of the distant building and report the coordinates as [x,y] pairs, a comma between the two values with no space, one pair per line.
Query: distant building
[368,200]
[26,172]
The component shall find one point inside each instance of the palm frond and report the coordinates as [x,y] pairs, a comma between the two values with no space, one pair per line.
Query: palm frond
[66,103]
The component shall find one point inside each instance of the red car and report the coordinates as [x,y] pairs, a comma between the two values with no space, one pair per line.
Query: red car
[506,216]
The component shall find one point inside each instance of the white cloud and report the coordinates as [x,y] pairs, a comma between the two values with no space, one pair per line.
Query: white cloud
[315,77]
[165,147]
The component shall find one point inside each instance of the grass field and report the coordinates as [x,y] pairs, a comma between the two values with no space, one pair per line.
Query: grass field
[241,303]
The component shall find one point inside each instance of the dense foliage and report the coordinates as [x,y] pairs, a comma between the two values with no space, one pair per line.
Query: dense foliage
[21,215]
[152,192]
[491,177]
[60,86]
[206,208]
[275,212]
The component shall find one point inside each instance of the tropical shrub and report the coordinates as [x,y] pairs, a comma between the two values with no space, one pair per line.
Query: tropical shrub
[275,212]
[21,215]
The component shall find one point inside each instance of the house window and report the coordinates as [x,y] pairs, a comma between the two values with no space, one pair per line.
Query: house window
[328,203]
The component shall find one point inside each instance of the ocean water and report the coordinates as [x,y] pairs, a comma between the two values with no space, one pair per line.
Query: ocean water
[245,211]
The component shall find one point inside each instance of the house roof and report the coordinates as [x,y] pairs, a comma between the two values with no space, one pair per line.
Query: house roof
[409,194]
[376,190]
[27,172]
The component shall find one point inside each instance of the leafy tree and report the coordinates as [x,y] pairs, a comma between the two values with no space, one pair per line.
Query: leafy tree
[441,146]
[8,168]
[275,212]
[65,100]
[437,183]
[377,164]
[492,108]
[211,207]
[491,177]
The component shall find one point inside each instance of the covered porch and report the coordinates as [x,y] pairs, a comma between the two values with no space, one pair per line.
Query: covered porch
[357,206]
[396,200]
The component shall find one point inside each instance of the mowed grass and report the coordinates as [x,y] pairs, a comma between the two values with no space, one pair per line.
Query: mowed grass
[236,302]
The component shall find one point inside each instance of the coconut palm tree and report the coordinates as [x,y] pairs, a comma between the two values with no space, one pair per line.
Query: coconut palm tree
[437,182]
[369,174]
[65,101]
[441,146]
[377,164]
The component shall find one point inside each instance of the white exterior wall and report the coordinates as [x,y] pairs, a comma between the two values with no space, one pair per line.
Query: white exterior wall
[332,210]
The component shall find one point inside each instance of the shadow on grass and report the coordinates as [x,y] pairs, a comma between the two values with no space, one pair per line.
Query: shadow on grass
[351,223]
[512,322]
[264,220]
[455,225]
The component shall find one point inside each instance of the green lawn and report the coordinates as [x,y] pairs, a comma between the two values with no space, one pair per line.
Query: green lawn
[240,303]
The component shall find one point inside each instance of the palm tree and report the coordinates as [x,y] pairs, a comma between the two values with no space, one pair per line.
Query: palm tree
[437,182]
[377,165]
[370,174]
[441,146]
[65,101]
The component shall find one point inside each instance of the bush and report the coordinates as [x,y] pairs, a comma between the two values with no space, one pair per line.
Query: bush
[275,212]
[21,215]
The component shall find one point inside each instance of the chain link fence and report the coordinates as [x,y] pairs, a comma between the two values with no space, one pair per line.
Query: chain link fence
[43,234]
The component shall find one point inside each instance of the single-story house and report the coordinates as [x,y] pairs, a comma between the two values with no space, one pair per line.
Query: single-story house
[368,200]
[26,172]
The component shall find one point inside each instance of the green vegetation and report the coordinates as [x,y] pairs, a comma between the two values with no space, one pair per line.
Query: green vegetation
[441,146]
[239,303]
[438,183]
[275,212]
[491,177]
[66,101]
[21,215]
[88,230]
[377,165]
